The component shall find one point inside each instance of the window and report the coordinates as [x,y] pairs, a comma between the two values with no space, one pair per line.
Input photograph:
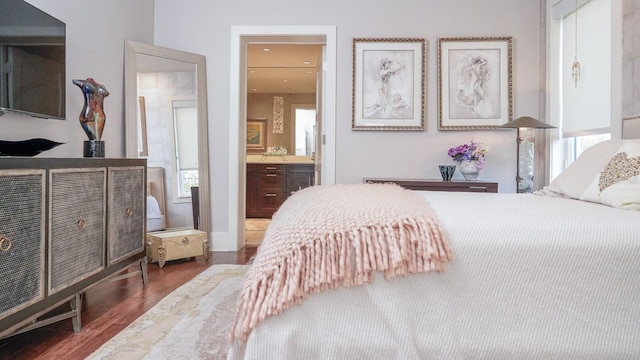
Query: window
[185,127]
[582,109]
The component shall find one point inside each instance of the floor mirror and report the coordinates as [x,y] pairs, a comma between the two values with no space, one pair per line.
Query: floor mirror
[166,123]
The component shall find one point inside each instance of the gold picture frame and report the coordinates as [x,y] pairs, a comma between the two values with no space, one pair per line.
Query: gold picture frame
[257,134]
[475,86]
[389,84]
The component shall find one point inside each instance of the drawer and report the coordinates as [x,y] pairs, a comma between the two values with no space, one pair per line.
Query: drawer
[267,168]
[272,182]
[268,203]
[171,245]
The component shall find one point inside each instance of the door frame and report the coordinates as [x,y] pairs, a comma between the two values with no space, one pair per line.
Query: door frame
[240,37]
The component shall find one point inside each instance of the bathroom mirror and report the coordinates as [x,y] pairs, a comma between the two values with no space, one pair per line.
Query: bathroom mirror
[156,79]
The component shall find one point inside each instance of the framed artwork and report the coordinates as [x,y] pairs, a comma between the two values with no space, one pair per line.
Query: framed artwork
[474,83]
[257,134]
[389,84]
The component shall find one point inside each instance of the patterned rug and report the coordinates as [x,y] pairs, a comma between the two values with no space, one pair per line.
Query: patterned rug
[190,323]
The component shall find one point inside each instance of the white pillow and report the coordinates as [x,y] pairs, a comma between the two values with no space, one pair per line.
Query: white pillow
[581,179]
[153,209]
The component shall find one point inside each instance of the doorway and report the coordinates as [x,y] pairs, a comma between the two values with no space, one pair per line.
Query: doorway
[241,36]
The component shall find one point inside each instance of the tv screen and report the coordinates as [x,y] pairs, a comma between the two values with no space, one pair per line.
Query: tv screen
[32,61]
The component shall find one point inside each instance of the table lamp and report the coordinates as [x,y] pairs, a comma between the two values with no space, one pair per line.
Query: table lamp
[525,158]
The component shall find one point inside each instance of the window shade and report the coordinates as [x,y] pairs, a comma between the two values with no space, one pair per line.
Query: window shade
[186,127]
[586,108]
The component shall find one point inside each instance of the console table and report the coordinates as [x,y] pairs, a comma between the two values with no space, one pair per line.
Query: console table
[65,225]
[439,185]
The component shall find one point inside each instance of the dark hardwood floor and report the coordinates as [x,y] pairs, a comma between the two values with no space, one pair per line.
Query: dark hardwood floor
[109,307]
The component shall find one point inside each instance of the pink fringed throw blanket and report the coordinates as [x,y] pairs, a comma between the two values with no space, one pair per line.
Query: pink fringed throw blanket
[331,235]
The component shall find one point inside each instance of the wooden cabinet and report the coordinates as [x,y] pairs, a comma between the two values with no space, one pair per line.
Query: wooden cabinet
[269,185]
[299,176]
[439,185]
[65,224]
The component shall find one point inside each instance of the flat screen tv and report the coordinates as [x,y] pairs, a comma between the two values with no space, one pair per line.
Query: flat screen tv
[32,61]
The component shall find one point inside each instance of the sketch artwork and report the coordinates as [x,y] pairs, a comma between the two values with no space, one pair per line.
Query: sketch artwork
[388,84]
[474,84]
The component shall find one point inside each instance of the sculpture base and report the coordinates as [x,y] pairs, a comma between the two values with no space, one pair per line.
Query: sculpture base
[93,148]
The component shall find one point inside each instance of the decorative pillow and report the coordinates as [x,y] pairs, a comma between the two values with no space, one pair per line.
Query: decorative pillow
[624,194]
[604,173]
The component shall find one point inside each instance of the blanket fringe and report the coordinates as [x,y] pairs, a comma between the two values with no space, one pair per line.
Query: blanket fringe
[348,258]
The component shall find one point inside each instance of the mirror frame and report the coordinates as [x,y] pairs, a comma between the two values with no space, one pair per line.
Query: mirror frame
[132,49]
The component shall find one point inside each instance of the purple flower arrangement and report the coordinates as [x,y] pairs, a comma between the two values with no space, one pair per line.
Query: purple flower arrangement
[471,151]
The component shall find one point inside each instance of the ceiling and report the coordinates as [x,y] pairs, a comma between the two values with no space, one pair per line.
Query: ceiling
[285,68]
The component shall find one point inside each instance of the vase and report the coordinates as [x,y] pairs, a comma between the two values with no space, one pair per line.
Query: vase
[446,171]
[469,170]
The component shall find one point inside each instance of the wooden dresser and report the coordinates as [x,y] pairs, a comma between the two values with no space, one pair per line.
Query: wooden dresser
[269,185]
[439,185]
[65,224]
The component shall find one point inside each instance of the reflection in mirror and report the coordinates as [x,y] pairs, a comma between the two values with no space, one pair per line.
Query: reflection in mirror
[185,129]
[304,120]
[167,119]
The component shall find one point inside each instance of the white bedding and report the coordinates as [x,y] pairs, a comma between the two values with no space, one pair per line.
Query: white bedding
[533,277]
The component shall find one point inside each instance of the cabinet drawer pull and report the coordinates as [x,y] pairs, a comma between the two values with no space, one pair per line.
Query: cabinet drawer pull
[271,168]
[270,195]
[128,211]
[5,243]
[271,175]
[81,223]
[185,240]
[478,187]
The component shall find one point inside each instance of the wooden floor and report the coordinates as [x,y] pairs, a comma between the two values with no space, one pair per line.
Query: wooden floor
[109,307]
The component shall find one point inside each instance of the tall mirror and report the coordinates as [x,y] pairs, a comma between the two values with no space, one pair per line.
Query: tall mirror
[166,122]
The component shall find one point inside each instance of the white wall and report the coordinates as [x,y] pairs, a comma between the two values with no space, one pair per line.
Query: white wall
[96,31]
[204,27]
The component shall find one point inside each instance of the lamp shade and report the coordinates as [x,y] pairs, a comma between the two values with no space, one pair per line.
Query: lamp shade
[526,122]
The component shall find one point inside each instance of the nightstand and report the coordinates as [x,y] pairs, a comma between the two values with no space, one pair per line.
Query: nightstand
[439,185]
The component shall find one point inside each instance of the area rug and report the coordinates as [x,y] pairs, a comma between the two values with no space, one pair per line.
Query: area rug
[192,322]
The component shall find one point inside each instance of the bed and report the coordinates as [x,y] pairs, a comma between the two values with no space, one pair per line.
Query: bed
[156,219]
[554,274]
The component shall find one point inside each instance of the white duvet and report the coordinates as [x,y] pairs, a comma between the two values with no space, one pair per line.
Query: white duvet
[532,278]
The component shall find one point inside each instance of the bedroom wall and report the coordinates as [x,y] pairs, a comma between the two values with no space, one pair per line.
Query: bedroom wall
[95,34]
[204,27]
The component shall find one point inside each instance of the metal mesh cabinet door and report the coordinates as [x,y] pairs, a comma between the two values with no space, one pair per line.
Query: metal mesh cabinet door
[127,212]
[76,225]
[21,239]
